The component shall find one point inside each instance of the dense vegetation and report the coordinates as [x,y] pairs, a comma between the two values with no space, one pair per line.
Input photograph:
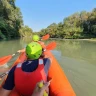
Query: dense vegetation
[78,25]
[11,23]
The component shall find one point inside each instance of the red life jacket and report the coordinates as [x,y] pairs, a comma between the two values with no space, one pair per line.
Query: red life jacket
[25,82]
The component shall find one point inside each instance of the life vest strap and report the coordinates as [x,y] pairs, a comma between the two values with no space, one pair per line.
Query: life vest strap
[41,61]
[19,65]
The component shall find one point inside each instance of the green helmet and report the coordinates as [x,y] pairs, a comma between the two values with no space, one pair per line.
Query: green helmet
[35,38]
[33,50]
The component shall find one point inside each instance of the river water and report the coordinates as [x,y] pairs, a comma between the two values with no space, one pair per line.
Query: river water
[76,57]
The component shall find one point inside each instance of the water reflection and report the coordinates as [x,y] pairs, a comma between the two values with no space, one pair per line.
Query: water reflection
[83,50]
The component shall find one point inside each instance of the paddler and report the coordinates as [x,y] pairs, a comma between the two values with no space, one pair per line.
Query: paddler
[35,38]
[26,75]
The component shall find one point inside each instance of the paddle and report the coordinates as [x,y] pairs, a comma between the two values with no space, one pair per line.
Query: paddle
[45,37]
[50,46]
[5,59]
[5,73]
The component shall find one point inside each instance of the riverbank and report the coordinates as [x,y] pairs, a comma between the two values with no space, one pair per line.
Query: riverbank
[92,39]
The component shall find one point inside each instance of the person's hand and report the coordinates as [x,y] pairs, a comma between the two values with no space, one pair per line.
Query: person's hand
[40,91]
[23,50]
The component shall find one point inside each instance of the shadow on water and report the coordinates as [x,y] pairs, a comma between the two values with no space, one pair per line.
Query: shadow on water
[76,57]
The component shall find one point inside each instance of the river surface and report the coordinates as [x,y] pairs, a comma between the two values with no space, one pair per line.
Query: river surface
[76,57]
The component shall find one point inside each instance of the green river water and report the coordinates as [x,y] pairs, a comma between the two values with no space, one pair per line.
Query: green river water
[76,57]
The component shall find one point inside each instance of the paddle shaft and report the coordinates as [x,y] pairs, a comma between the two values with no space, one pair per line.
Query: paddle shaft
[4,74]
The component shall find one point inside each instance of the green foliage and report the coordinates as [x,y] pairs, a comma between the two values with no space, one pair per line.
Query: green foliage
[10,19]
[25,31]
[78,25]
[2,35]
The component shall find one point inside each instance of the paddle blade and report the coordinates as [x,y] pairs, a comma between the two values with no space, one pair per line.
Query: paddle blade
[46,37]
[5,59]
[51,46]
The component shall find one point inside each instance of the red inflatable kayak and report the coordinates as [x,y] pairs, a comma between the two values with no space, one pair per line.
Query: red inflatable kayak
[59,86]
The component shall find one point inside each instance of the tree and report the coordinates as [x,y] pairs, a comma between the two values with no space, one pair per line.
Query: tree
[25,31]
[11,19]
[78,25]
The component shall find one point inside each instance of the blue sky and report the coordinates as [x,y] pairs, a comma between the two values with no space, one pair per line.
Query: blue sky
[38,14]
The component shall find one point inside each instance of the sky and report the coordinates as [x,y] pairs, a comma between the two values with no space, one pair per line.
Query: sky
[39,14]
